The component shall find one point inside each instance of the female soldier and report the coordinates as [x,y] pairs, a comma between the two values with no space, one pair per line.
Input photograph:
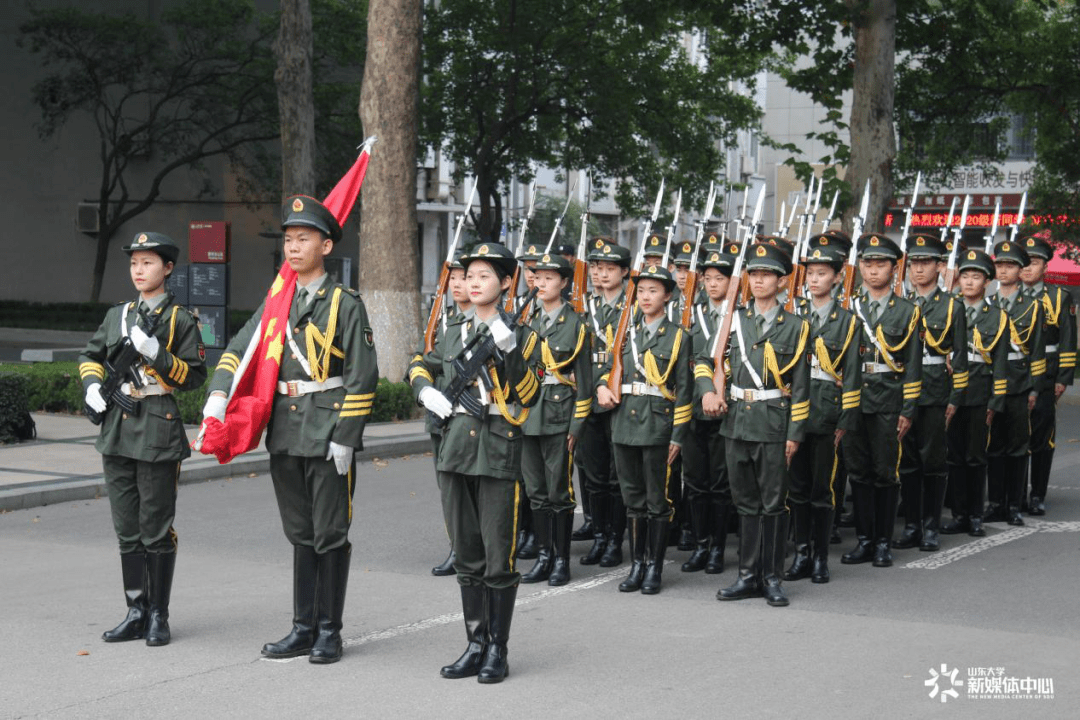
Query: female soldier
[141,449]
[480,457]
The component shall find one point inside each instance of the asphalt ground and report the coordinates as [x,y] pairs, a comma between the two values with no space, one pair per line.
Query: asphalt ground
[862,646]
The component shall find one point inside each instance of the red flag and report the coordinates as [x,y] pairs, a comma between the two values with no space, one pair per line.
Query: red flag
[255,382]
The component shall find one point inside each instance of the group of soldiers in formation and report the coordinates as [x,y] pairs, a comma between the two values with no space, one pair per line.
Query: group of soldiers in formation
[936,396]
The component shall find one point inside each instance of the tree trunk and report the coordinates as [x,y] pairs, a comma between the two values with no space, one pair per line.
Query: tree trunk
[389,108]
[873,139]
[100,258]
[296,98]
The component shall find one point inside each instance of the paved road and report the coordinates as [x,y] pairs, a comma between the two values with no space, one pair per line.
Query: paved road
[861,646]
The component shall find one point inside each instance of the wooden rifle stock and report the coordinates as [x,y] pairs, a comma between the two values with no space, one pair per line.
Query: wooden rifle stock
[577,297]
[724,336]
[512,295]
[849,285]
[615,376]
[901,274]
[436,309]
[689,291]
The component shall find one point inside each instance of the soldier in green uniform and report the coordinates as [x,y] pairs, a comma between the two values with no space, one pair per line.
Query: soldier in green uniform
[527,542]
[612,265]
[480,459]
[554,424]
[835,393]
[141,451]
[923,468]
[890,353]
[765,417]
[987,346]
[649,425]
[1059,338]
[326,386]
[1010,432]
[704,467]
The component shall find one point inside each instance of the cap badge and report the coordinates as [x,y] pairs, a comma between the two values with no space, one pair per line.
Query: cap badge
[824,241]
[298,205]
[714,257]
[600,243]
[142,239]
[1005,247]
[484,250]
[607,248]
[532,249]
[1031,242]
[761,251]
[546,259]
[920,241]
[686,247]
[654,241]
[971,255]
[817,253]
[874,241]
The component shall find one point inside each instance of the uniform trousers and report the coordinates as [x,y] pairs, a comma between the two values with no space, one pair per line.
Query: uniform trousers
[315,502]
[482,515]
[142,497]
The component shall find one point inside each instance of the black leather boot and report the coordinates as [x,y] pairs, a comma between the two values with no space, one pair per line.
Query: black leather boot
[562,527]
[686,541]
[1014,484]
[800,522]
[912,487]
[446,567]
[613,555]
[657,547]
[330,604]
[474,608]
[585,532]
[774,531]
[722,515]
[302,636]
[500,603]
[934,487]
[159,572]
[638,528]
[976,500]
[1041,463]
[862,496]
[527,549]
[821,524]
[885,499]
[541,570]
[748,584]
[133,574]
[601,509]
[700,510]
[995,490]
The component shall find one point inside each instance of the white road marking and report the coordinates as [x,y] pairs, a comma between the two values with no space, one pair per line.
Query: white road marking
[941,559]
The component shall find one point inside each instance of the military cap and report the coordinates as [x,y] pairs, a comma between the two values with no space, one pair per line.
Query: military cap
[301,210]
[976,260]
[777,241]
[831,255]
[712,242]
[565,249]
[531,252]
[658,273]
[828,240]
[555,262]
[455,263]
[498,255]
[163,245]
[877,246]
[684,253]
[722,261]
[1011,252]
[838,237]
[654,245]
[609,252]
[732,248]
[1037,246]
[925,246]
[767,256]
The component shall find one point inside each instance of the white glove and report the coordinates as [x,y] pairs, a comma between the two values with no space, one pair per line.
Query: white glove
[215,407]
[147,345]
[342,457]
[436,402]
[94,399]
[505,339]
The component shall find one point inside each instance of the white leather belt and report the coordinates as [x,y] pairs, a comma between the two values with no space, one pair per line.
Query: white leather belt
[872,368]
[492,409]
[974,357]
[933,360]
[816,373]
[550,379]
[751,395]
[641,388]
[1017,356]
[145,391]
[295,388]
[600,357]
[1051,348]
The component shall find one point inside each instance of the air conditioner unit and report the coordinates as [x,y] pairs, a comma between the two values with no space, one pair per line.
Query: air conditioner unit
[86,218]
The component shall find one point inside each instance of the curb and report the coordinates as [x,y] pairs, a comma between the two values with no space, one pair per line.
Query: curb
[194,470]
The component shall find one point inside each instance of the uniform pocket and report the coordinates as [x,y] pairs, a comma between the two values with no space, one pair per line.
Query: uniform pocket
[164,430]
[557,404]
[504,446]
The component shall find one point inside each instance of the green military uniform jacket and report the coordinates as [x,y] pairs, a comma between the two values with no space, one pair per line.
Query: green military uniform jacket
[335,336]
[944,333]
[653,419]
[1027,351]
[603,321]
[703,332]
[835,373]
[898,348]
[453,316]
[780,360]
[564,349]
[156,434]
[987,346]
[1058,332]
[490,446]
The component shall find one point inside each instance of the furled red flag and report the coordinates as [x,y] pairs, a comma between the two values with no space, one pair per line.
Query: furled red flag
[251,396]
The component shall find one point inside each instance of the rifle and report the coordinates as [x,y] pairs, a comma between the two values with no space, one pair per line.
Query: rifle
[993,228]
[444,280]
[671,230]
[832,209]
[950,267]
[558,220]
[856,230]
[898,288]
[121,367]
[692,277]
[1015,228]
[748,236]
[577,296]
[470,364]
[615,376]
[723,335]
[948,221]
[521,244]
[798,271]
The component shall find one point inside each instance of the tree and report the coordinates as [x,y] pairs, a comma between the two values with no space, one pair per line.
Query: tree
[389,277]
[163,97]
[296,97]
[607,85]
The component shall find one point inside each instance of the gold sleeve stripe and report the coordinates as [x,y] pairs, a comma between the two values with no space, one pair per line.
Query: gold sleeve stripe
[703,371]
[605,377]
[356,405]
[417,358]
[684,408]
[420,372]
[529,382]
[91,368]
[355,413]
[849,405]
[530,345]
[685,414]
[179,371]
[913,384]
[799,417]
[800,405]
[1000,391]
[681,420]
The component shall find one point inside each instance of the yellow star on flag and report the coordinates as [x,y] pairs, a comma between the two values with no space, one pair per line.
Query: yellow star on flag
[274,348]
